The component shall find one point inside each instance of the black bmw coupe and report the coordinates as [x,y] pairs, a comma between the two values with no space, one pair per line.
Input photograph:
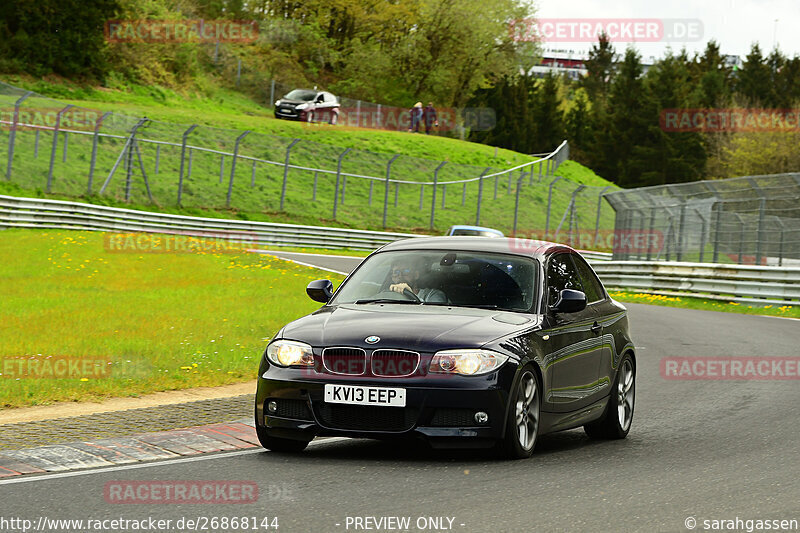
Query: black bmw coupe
[461,341]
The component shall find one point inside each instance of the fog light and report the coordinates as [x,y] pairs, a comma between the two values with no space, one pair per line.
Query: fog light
[481,417]
[273,406]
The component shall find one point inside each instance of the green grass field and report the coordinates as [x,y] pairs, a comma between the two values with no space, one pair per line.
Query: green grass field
[163,320]
[257,191]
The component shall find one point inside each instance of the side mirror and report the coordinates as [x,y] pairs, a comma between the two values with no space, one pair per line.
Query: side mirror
[320,290]
[569,301]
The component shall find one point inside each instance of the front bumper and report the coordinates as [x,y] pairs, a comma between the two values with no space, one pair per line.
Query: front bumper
[439,409]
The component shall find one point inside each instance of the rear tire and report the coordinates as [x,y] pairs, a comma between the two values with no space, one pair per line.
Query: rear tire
[276,444]
[522,424]
[618,417]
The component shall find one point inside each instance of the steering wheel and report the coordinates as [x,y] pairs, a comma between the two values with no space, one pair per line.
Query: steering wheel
[408,293]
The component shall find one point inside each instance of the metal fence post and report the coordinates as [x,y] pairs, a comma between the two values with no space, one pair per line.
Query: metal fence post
[464,194]
[95,140]
[158,158]
[718,219]
[681,236]
[13,134]
[480,195]
[338,178]
[651,232]
[183,158]
[433,200]
[702,235]
[597,218]
[272,93]
[386,188]
[286,171]
[36,145]
[378,120]
[516,206]
[421,195]
[549,204]
[358,113]
[760,233]
[55,146]
[233,165]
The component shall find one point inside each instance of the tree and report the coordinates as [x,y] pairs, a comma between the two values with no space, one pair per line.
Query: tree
[61,36]
[628,146]
[548,119]
[754,78]
[600,71]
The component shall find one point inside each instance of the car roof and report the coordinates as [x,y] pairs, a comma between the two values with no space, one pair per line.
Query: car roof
[477,228]
[514,246]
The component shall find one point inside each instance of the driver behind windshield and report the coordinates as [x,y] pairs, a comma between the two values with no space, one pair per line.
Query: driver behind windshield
[406,275]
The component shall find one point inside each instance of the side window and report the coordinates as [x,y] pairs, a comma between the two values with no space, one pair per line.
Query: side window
[591,285]
[561,274]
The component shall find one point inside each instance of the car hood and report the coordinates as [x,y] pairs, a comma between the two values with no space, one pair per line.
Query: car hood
[418,327]
[295,102]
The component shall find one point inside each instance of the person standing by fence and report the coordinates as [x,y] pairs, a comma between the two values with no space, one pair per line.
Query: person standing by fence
[416,117]
[429,118]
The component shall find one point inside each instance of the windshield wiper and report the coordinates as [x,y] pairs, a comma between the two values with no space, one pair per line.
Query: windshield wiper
[386,301]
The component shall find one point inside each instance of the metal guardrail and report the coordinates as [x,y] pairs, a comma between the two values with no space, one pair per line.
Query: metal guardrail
[732,283]
[738,283]
[56,214]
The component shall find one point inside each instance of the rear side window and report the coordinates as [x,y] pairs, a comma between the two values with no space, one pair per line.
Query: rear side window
[561,274]
[591,285]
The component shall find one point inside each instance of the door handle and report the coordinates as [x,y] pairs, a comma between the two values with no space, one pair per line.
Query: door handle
[596,328]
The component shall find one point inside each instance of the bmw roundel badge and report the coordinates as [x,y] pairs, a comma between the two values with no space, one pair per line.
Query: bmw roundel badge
[372,339]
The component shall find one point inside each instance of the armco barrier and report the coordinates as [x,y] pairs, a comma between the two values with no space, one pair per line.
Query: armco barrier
[41,213]
[739,283]
[736,283]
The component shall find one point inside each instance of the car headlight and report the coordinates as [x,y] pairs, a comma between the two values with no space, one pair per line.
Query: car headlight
[302,106]
[290,353]
[466,362]
[278,102]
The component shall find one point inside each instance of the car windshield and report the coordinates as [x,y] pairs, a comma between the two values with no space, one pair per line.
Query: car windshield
[475,232]
[301,94]
[454,278]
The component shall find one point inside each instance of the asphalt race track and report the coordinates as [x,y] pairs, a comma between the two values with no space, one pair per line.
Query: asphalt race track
[702,450]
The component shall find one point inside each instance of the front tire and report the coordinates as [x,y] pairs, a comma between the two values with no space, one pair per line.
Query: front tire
[522,424]
[276,444]
[618,417]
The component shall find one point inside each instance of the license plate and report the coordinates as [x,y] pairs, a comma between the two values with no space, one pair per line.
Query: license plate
[356,395]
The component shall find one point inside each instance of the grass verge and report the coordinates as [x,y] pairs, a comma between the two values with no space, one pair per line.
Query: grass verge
[685,302]
[158,321]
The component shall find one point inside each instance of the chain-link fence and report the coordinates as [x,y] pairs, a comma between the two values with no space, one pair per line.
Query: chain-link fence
[73,151]
[745,220]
